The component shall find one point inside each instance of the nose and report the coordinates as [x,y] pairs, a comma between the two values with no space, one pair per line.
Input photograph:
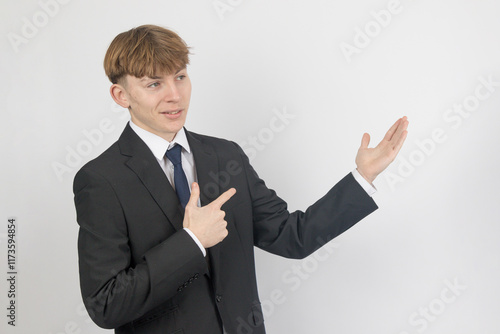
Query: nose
[172,92]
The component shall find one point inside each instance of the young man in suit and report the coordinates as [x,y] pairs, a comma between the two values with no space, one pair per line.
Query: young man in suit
[163,248]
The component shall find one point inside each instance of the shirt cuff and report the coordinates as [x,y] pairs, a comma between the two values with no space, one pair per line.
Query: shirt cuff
[203,250]
[367,186]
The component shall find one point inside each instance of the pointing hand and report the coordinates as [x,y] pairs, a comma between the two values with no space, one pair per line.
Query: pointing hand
[207,223]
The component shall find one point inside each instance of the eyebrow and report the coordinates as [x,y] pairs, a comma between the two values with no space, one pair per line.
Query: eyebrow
[180,70]
[156,77]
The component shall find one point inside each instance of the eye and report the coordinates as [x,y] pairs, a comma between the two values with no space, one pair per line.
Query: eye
[154,84]
[181,77]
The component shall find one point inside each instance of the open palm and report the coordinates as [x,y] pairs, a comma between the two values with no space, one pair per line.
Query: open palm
[372,161]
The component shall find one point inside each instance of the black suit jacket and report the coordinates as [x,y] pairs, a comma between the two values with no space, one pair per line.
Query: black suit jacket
[140,272]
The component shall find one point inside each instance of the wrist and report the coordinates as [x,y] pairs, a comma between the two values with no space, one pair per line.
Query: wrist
[368,177]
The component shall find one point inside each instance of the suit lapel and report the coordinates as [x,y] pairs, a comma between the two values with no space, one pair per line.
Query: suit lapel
[143,163]
[207,170]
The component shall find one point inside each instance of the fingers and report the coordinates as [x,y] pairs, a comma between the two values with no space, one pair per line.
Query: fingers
[400,134]
[392,130]
[224,198]
[396,131]
[195,195]
[400,141]
[365,141]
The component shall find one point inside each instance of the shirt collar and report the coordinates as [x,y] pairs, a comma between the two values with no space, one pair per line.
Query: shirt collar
[158,145]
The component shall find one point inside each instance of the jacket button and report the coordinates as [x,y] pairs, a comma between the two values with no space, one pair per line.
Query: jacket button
[218,298]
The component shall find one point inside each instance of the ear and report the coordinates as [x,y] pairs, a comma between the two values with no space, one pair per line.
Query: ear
[120,95]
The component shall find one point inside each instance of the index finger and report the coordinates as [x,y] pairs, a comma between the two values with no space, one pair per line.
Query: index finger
[224,197]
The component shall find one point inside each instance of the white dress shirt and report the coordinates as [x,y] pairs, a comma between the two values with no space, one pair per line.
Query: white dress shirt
[367,186]
[159,147]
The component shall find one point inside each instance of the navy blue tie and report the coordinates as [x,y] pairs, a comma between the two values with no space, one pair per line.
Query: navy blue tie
[180,180]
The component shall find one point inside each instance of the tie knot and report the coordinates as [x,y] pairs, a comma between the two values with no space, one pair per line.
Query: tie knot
[174,154]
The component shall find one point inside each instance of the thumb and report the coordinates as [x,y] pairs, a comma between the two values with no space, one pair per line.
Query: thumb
[195,195]
[365,140]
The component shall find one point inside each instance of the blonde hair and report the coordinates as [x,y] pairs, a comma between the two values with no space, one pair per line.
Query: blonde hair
[147,50]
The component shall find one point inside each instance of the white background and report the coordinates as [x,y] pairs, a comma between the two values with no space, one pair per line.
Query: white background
[438,219]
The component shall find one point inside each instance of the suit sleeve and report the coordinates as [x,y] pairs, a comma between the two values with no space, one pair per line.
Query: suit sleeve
[115,290]
[298,234]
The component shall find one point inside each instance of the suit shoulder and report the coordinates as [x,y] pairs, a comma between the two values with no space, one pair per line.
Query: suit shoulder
[106,161]
[216,142]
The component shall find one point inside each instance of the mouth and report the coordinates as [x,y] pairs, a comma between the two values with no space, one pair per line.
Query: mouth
[173,112]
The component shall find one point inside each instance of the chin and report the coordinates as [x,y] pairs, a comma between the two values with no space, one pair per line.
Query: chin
[174,129]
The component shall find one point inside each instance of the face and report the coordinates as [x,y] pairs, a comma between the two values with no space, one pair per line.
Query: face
[158,104]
